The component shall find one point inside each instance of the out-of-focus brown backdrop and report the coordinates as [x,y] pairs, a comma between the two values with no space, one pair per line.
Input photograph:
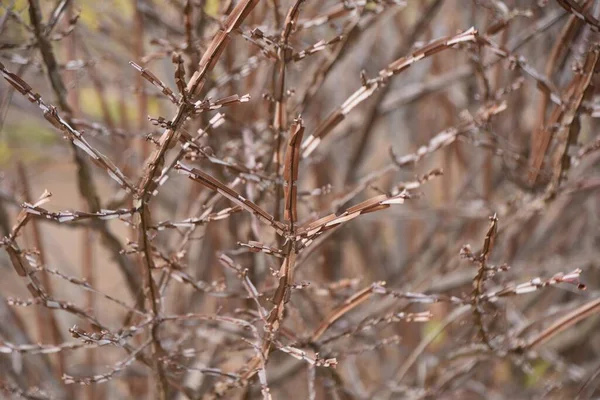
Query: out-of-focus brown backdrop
[473,288]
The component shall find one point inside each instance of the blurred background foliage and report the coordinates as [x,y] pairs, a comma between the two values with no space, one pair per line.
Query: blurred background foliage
[414,247]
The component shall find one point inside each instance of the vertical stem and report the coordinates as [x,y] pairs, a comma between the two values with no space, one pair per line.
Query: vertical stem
[153,297]
[142,104]
[142,146]
[47,324]
[87,258]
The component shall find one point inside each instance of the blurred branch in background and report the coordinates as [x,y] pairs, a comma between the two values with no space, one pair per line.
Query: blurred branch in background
[328,200]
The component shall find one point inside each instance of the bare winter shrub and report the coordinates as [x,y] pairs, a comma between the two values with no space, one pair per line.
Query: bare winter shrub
[358,199]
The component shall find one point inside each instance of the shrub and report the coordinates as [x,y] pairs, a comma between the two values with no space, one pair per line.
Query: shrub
[338,200]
